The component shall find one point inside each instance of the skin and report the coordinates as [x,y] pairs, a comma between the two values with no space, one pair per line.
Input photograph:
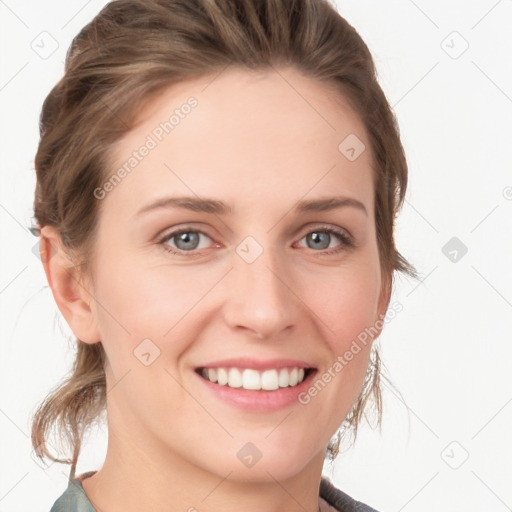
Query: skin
[260,142]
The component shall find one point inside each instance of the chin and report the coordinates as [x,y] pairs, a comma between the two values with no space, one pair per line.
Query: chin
[266,465]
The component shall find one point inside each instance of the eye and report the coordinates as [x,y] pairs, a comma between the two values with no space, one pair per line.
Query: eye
[189,240]
[321,238]
[185,240]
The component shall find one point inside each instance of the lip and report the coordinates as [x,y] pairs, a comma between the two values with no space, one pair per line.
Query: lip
[258,400]
[256,364]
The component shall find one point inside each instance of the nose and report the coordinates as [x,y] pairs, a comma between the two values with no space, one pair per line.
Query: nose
[261,298]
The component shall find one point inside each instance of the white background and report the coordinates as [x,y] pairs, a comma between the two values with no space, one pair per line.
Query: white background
[449,351]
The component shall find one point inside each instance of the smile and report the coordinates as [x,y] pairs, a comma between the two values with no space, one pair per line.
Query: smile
[250,379]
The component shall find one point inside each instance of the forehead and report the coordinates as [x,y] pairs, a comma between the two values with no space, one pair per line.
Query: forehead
[272,136]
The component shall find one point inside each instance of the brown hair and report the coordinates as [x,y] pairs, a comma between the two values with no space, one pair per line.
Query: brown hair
[131,51]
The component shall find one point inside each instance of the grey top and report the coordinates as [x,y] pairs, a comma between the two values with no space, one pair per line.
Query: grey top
[74,498]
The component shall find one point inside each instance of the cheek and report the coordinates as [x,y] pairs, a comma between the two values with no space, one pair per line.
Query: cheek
[137,302]
[347,305]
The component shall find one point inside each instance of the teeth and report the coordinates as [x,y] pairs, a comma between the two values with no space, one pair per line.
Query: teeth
[283,378]
[250,379]
[222,376]
[267,380]
[234,378]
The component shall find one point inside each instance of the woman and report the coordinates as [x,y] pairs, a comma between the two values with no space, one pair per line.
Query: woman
[217,183]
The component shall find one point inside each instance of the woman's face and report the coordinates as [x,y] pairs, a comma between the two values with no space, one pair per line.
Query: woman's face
[239,267]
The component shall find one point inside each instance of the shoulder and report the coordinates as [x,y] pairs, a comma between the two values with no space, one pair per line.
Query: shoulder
[339,500]
[74,499]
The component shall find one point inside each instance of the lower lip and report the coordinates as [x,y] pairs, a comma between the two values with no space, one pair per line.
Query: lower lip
[258,400]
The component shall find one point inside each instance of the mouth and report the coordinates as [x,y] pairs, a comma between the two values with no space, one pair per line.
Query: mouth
[255,380]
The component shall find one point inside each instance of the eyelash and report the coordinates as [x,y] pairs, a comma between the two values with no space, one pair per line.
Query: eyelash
[346,240]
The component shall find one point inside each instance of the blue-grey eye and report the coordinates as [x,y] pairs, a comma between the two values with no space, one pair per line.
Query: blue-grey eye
[188,240]
[320,239]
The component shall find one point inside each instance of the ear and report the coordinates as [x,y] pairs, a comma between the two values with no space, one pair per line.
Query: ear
[70,294]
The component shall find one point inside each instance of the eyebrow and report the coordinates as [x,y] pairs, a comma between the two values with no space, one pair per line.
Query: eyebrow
[214,206]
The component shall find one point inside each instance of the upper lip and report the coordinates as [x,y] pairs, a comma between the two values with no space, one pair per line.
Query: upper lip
[257,364]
